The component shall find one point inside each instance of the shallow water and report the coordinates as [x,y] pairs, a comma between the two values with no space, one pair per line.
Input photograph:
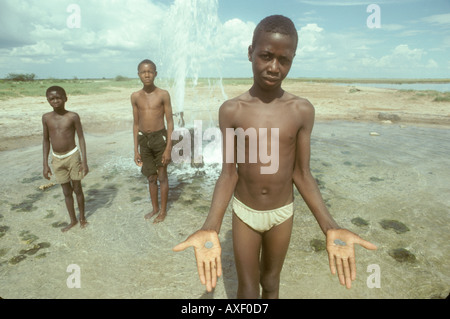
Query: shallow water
[440,87]
[392,189]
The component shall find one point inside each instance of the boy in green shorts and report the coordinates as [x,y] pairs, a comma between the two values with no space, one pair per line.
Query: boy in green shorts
[152,141]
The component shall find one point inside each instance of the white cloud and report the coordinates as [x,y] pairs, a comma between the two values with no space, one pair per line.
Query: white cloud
[438,19]
[310,40]
[357,54]
[401,61]
[334,3]
[346,3]
[39,53]
[392,27]
[402,56]
[38,31]
[235,37]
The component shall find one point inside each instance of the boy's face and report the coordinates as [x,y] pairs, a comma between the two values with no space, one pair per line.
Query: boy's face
[56,99]
[271,59]
[147,74]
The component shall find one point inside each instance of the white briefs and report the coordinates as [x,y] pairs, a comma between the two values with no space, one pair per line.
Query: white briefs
[264,220]
[65,155]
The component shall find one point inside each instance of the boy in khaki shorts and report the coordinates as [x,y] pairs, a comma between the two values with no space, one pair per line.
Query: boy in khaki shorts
[68,165]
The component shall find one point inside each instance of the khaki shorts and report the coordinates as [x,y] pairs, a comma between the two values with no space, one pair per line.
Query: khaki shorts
[67,168]
[264,220]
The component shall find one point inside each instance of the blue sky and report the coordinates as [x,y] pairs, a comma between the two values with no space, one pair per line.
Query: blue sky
[112,36]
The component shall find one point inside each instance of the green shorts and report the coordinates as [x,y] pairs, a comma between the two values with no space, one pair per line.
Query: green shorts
[152,147]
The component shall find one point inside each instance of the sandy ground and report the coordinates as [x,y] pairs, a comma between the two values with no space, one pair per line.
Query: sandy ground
[122,256]
[21,126]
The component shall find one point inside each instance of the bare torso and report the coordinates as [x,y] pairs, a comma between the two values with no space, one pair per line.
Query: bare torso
[268,191]
[61,130]
[150,109]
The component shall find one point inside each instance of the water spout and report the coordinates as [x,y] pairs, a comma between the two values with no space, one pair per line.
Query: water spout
[188,51]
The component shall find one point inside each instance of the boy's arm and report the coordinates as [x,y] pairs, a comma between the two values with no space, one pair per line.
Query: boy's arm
[228,178]
[206,241]
[137,156]
[166,158]
[303,179]
[45,149]
[82,142]
[340,242]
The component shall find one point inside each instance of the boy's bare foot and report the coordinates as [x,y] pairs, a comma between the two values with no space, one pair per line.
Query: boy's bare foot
[69,227]
[150,215]
[83,223]
[160,218]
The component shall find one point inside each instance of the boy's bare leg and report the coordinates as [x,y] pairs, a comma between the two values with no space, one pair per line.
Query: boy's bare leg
[153,188]
[78,190]
[275,244]
[68,197]
[164,187]
[246,246]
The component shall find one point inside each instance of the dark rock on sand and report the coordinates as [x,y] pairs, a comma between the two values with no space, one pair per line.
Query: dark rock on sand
[397,226]
[388,117]
[318,245]
[358,221]
[402,255]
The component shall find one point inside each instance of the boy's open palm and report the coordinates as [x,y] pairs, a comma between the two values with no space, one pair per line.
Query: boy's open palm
[207,252]
[341,253]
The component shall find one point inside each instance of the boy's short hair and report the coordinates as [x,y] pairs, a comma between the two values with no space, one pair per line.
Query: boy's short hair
[58,89]
[276,24]
[147,61]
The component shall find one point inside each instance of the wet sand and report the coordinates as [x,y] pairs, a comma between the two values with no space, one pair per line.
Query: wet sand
[391,188]
[21,126]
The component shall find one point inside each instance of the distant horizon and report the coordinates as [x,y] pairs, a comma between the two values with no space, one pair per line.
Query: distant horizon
[326,79]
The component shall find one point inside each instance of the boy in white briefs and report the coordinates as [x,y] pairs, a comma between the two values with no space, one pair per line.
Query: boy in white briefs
[69,166]
[263,203]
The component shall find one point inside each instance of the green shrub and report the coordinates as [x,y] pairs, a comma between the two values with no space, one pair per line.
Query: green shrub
[120,78]
[19,77]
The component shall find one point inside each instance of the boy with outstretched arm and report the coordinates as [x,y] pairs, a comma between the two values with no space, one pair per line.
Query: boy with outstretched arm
[263,202]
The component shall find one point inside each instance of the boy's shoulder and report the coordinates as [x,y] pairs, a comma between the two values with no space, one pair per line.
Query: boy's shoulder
[69,114]
[233,103]
[47,115]
[287,98]
[157,90]
[138,96]
[297,101]
[137,93]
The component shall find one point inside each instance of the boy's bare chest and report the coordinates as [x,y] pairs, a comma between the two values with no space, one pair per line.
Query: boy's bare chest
[151,102]
[60,123]
[263,125]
